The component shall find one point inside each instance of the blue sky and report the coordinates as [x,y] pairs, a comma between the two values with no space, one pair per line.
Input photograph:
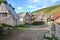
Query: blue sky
[31,5]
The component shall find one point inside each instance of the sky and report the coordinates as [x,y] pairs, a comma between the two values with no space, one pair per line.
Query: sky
[31,5]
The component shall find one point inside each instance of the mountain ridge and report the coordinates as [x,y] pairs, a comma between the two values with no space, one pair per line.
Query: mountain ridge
[45,8]
[52,10]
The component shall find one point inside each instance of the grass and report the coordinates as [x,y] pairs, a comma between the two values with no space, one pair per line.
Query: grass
[8,28]
[22,23]
[52,10]
[47,9]
[23,26]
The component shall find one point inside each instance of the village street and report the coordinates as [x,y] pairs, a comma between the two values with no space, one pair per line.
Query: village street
[33,33]
[29,19]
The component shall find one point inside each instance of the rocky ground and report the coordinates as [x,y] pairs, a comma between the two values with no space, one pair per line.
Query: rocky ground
[33,33]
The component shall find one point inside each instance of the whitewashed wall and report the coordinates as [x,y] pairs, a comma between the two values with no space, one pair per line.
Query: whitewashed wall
[8,20]
[58,31]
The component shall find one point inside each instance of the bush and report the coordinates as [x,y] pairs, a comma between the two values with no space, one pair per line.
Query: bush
[38,23]
[4,28]
[51,38]
[5,25]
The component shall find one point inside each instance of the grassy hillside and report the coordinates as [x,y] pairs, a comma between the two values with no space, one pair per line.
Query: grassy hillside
[55,11]
[52,10]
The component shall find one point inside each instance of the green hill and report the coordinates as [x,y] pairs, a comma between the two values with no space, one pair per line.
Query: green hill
[52,10]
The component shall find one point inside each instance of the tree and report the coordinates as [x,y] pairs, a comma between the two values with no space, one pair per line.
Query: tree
[2,1]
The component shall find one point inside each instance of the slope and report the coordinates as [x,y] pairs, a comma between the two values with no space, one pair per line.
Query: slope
[49,10]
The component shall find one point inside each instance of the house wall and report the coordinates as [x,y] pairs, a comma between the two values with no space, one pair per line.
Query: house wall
[11,13]
[8,20]
[58,31]
[12,21]
[41,18]
[27,17]
[16,22]
[21,19]
[1,18]
[3,8]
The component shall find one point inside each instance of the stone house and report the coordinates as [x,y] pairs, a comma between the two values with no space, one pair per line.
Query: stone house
[41,17]
[25,16]
[56,18]
[8,15]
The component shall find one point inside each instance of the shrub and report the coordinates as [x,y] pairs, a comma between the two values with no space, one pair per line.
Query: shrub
[51,38]
[4,28]
[38,23]
[6,25]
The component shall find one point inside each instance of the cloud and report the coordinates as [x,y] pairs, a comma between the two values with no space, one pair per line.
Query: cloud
[30,6]
[33,1]
[38,4]
[42,2]
[44,6]
[19,8]
[53,1]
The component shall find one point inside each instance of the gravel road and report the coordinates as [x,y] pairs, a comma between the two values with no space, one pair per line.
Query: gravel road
[33,33]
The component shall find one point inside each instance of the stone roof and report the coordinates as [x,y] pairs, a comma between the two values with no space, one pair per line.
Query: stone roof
[6,8]
[22,14]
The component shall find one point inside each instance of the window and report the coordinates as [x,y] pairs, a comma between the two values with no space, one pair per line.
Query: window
[13,18]
[4,14]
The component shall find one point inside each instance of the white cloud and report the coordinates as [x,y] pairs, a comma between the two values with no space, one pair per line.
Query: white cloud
[33,1]
[36,4]
[30,6]
[19,8]
[44,6]
[42,2]
[53,1]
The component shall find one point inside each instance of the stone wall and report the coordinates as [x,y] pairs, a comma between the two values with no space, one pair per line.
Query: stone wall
[58,31]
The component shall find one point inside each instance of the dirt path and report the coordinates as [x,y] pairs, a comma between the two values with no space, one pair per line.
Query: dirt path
[33,33]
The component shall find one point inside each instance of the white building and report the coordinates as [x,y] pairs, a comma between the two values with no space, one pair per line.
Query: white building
[41,17]
[25,16]
[8,15]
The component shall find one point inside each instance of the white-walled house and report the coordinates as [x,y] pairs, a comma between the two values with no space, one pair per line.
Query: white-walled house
[41,17]
[8,15]
[25,16]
